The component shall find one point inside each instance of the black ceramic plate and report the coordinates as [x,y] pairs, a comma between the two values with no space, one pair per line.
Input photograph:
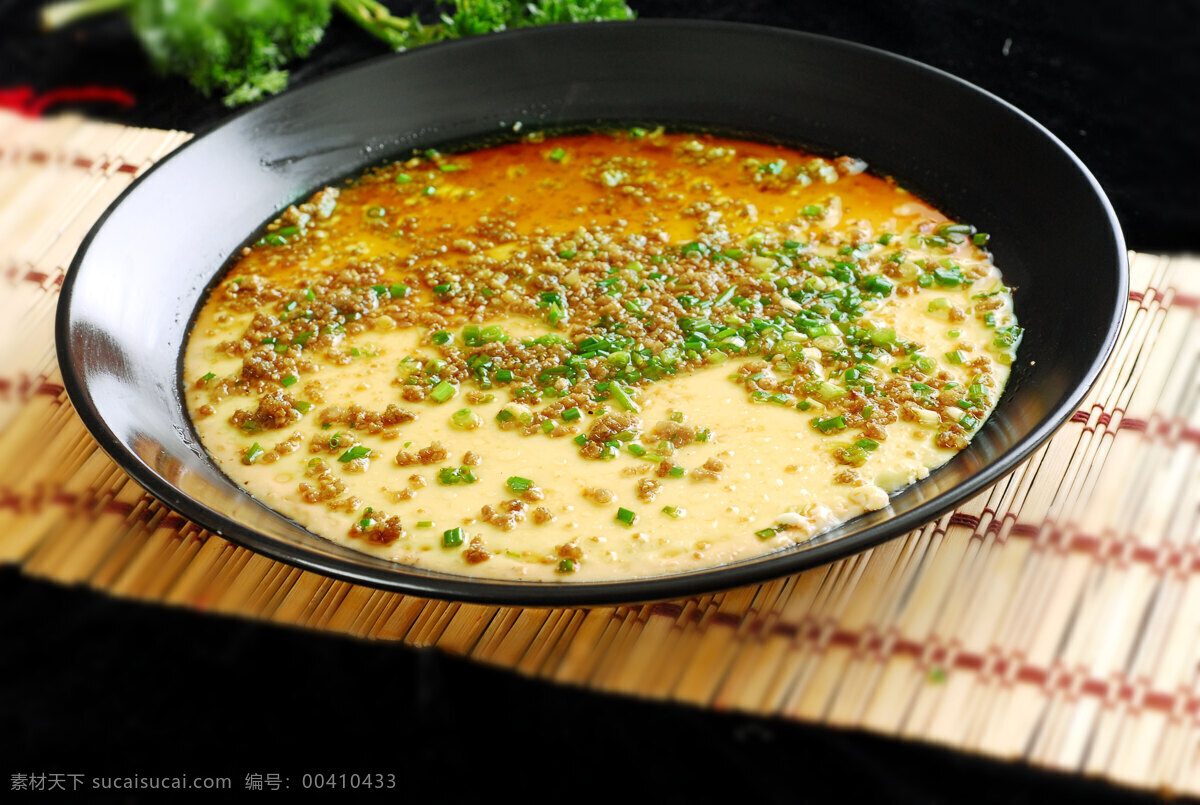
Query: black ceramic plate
[142,271]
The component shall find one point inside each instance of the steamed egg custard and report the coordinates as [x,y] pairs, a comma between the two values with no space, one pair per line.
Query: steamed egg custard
[597,356]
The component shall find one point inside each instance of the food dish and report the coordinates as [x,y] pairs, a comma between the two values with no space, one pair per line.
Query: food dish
[979,159]
[703,349]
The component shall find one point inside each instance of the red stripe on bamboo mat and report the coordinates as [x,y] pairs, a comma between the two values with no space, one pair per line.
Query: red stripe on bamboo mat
[40,156]
[931,653]
[24,387]
[937,658]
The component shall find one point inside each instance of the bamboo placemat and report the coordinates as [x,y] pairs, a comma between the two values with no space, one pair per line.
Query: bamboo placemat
[1054,618]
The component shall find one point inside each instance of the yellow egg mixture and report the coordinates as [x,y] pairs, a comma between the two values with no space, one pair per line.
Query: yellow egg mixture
[598,356]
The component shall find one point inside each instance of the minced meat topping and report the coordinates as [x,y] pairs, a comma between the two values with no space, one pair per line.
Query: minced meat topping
[668,255]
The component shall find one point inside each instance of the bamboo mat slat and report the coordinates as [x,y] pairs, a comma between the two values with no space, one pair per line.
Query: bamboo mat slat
[1054,618]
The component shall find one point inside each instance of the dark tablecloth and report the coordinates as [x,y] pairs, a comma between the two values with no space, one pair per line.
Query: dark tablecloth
[98,686]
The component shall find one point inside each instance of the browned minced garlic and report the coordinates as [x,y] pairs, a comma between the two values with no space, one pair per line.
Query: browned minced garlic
[506,516]
[435,453]
[599,312]
[647,489]
[476,552]
[598,495]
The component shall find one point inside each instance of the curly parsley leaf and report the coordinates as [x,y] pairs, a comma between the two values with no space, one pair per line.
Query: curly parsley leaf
[239,49]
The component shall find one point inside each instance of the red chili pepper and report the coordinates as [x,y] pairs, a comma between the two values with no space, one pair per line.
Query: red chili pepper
[24,100]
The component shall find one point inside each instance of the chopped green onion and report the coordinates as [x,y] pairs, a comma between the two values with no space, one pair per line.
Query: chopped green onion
[403,178]
[304,406]
[557,155]
[452,538]
[674,512]
[571,414]
[207,377]
[622,396]
[626,517]
[867,443]
[676,472]
[566,565]
[518,484]
[288,380]
[852,454]
[955,357]
[831,424]
[765,533]
[949,277]
[882,337]
[877,283]
[449,476]
[618,358]
[465,419]
[827,391]
[356,452]
[425,524]
[253,454]
[443,391]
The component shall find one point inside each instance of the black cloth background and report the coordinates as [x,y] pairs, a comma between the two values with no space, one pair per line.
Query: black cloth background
[93,685]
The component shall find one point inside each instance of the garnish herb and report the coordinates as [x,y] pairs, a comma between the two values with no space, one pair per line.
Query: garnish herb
[452,538]
[239,50]
[450,476]
[443,391]
[518,484]
[356,452]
